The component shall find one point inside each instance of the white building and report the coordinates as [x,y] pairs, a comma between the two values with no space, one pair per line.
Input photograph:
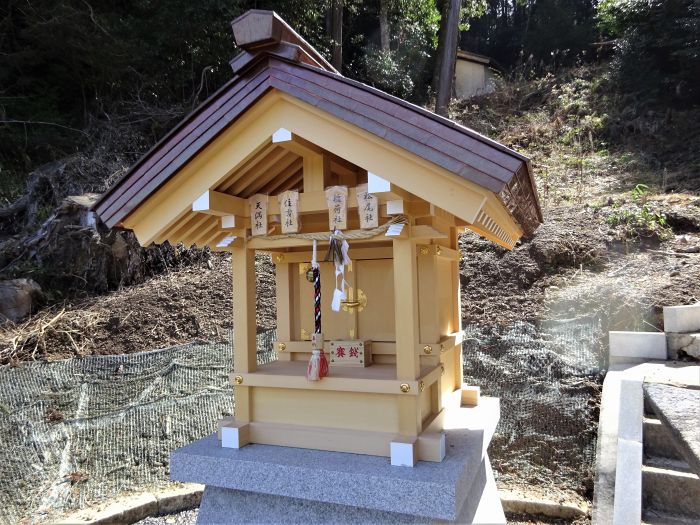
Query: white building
[473,76]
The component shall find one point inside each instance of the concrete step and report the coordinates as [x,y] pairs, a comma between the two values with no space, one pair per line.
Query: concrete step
[673,464]
[664,518]
[682,318]
[669,487]
[658,440]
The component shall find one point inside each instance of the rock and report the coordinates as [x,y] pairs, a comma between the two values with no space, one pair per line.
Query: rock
[72,254]
[18,298]
[680,345]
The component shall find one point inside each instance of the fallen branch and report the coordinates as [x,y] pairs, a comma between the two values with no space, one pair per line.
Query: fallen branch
[673,254]
[41,123]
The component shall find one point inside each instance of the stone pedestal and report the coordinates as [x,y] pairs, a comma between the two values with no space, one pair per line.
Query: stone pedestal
[270,484]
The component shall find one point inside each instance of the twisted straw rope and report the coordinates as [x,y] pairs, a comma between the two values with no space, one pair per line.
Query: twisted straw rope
[349,235]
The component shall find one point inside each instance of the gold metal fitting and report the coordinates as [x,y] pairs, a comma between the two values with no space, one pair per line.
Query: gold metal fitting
[351,305]
[238,380]
[281,347]
[421,386]
[438,250]
[405,387]
[279,257]
[428,349]
[442,348]
[424,250]
[442,370]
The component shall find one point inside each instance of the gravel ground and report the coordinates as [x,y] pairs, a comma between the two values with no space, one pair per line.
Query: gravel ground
[189,517]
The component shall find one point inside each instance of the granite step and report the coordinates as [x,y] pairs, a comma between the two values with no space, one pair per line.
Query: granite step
[663,518]
[678,408]
[668,486]
[658,441]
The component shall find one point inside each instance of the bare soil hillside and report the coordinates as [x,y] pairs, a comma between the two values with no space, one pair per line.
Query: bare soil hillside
[179,306]
[576,264]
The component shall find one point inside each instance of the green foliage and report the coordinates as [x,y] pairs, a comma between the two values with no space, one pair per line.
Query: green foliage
[73,68]
[640,219]
[405,69]
[541,33]
[65,65]
[387,71]
[657,53]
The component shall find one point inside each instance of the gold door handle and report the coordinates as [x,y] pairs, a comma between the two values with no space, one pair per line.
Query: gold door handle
[353,305]
[350,304]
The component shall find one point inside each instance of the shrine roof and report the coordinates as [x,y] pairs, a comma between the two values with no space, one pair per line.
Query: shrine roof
[275,58]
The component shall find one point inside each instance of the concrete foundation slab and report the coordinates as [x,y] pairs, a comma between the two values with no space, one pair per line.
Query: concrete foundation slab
[221,505]
[425,492]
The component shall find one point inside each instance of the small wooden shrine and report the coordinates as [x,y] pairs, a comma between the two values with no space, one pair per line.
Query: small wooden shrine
[289,157]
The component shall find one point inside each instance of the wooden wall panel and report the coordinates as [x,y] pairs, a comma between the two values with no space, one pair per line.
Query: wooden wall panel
[376,278]
[445,294]
[359,411]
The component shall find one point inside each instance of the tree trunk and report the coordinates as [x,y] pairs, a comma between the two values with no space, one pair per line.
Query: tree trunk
[337,34]
[447,55]
[384,25]
[442,7]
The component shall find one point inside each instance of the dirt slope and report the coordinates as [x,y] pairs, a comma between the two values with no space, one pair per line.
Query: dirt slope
[575,265]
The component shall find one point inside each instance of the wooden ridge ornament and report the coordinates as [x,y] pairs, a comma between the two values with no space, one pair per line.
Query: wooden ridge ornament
[367,208]
[289,211]
[337,199]
[258,214]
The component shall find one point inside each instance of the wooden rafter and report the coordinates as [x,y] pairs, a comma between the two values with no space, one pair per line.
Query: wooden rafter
[279,170]
[293,182]
[250,162]
[197,221]
[242,179]
[292,171]
[205,228]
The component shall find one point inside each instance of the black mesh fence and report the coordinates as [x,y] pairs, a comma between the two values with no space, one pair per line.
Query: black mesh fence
[81,431]
[548,378]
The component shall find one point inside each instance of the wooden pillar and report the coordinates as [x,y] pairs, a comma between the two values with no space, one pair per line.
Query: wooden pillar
[457,306]
[244,333]
[315,167]
[406,322]
[283,281]
[428,292]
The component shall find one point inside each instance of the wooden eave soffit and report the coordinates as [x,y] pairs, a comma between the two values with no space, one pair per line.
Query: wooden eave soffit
[310,129]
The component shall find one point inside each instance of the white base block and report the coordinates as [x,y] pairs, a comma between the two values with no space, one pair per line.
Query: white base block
[682,318]
[404,452]
[234,436]
[226,420]
[637,346]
